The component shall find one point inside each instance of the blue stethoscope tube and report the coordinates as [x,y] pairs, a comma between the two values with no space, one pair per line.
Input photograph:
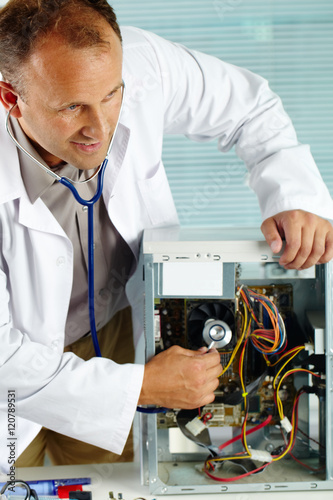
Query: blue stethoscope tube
[90,205]
[100,171]
[91,266]
[91,271]
[91,287]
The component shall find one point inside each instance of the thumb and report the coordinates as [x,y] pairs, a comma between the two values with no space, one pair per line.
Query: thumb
[272,235]
[202,350]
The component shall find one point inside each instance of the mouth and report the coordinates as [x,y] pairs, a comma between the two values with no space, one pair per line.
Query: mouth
[88,148]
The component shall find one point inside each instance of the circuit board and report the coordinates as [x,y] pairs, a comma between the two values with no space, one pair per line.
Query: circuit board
[181,321]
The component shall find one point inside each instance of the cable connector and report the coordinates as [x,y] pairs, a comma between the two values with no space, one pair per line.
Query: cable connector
[285,423]
[261,455]
[310,389]
[195,426]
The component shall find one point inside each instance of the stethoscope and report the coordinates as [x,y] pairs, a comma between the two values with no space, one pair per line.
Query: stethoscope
[100,171]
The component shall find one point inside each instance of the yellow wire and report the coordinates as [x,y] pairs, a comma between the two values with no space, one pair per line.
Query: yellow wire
[237,345]
[292,434]
[246,334]
[278,400]
[291,440]
[288,360]
[241,361]
[281,357]
[221,459]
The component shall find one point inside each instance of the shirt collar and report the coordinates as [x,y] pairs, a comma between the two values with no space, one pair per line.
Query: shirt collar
[35,179]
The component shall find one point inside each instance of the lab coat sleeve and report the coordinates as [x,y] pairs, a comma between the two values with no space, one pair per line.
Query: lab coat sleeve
[61,391]
[206,98]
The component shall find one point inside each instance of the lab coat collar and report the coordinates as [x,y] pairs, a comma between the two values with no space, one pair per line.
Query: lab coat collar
[116,159]
[12,188]
[35,180]
[37,216]
[11,185]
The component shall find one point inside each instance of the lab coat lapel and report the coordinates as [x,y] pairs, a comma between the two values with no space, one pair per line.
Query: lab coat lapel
[116,159]
[11,185]
[37,216]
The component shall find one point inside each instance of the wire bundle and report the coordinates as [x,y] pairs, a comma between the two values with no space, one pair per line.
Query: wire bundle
[270,341]
[266,340]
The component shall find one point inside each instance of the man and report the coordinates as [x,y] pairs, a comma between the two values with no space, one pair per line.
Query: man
[63,65]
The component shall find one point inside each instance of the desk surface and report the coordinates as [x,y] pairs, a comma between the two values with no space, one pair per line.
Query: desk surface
[125,479]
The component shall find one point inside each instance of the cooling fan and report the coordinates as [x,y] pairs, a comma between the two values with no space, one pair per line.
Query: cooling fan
[208,322]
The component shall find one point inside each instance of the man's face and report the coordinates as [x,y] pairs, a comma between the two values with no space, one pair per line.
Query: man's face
[72,101]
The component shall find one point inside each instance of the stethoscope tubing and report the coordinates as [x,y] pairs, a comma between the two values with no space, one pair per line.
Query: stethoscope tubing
[91,261]
[68,183]
[90,205]
[100,171]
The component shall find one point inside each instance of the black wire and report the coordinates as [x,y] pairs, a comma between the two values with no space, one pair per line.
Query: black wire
[17,482]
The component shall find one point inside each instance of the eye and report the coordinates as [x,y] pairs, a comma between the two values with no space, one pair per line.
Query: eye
[73,107]
[113,94]
[109,96]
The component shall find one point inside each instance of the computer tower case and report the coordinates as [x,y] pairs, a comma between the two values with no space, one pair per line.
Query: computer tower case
[270,426]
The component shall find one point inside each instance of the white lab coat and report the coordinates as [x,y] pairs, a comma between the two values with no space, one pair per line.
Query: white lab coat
[168,90]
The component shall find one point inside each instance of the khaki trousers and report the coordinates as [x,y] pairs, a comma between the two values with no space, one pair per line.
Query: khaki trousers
[116,343]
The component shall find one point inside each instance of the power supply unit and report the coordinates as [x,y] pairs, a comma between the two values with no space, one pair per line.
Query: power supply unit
[270,425]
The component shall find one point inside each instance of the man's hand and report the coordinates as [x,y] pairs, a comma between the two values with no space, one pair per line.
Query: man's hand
[180,378]
[309,238]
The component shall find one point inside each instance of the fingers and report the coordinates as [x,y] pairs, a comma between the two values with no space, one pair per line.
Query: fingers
[313,250]
[294,253]
[204,378]
[328,255]
[308,243]
[309,238]
[272,235]
[179,378]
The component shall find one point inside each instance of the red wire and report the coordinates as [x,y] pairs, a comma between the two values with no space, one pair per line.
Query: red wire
[235,478]
[264,336]
[295,414]
[250,431]
[207,416]
[311,439]
[227,443]
[305,465]
[249,306]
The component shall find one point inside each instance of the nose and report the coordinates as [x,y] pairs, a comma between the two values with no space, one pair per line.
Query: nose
[95,124]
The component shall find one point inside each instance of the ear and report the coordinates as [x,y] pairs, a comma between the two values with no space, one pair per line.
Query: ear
[9,98]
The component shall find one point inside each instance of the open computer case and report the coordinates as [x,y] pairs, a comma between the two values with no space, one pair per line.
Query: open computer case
[270,426]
